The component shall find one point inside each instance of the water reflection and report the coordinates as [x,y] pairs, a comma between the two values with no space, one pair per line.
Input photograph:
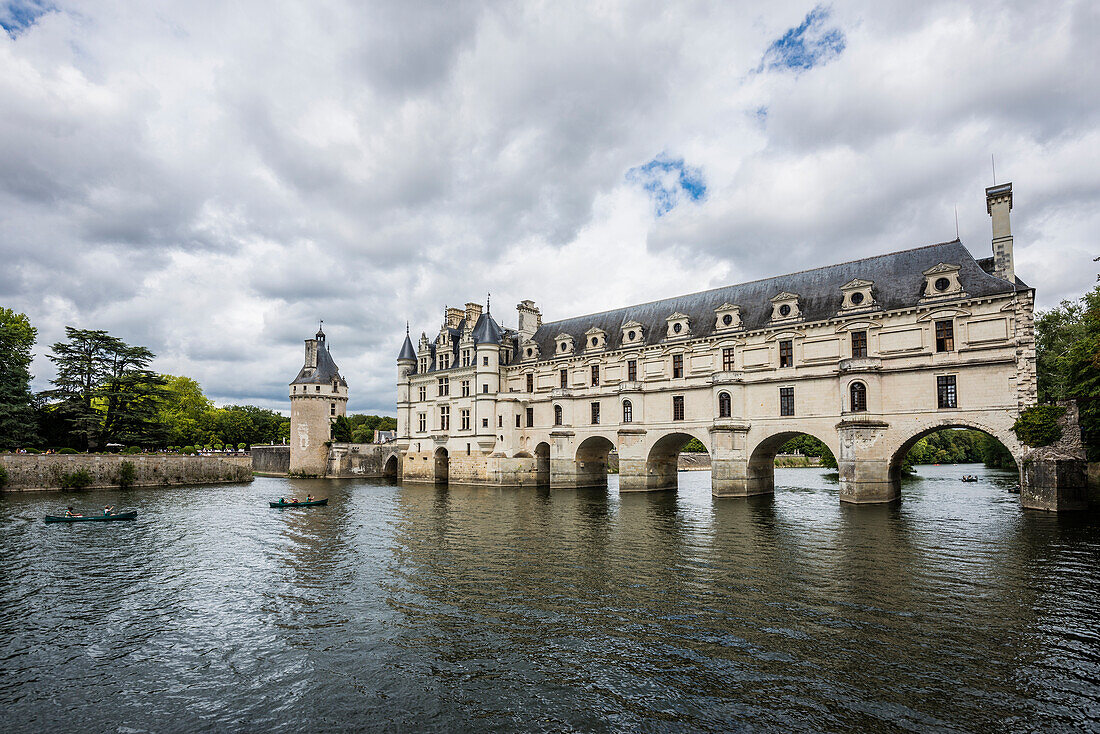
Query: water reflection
[476,608]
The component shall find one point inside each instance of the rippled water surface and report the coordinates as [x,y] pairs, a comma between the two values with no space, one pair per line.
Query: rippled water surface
[481,609]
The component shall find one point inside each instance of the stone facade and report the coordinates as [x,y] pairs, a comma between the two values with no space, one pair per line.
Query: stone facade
[318,395]
[44,471]
[867,356]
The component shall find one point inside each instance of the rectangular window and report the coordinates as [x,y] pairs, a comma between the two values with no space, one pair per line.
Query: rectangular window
[518,420]
[530,383]
[945,336]
[484,422]
[332,409]
[465,419]
[465,388]
[484,388]
[727,359]
[632,370]
[444,361]
[677,365]
[530,417]
[444,386]
[595,375]
[465,357]
[946,393]
[500,421]
[423,393]
[859,343]
[786,401]
[485,361]
[564,378]
[677,407]
[422,421]
[786,353]
[595,413]
[444,417]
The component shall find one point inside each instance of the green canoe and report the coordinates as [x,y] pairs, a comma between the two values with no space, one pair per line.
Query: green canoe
[93,518]
[314,503]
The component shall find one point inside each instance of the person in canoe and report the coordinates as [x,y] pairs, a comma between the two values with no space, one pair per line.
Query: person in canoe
[309,498]
[107,509]
[293,500]
[69,513]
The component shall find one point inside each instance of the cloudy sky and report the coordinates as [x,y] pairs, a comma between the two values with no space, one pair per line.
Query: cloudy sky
[209,179]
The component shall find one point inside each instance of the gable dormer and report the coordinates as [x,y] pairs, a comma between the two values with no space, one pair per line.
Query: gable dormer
[563,345]
[857,295]
[679,326]
[727,317]
[942,281]
[529,350]
[633,334]
[595,339]
[785,307]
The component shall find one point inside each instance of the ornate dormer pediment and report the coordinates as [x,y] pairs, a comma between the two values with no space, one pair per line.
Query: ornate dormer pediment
[679,326]
[727,317]
[942,281]
[564,344]
[595,338]
[529,350]
[633,333]
[858,295]
[785,307]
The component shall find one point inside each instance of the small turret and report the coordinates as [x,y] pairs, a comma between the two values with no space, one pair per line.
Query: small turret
[318,395]
[998,203]
[408,353]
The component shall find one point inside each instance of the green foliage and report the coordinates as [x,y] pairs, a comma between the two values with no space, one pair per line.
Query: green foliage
[218,447]
[3,476]
[188,450]
[78,479]
[362,435]
[126,473]
[103,392]
[67,450]
[32,451]
[807,445]
[18,421]
[958,446]
[694,446]
[132,450]
[242,446]
[341,430]
[1038,425]
[373,422]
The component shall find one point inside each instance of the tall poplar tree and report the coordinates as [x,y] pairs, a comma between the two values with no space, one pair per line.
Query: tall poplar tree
[17,416]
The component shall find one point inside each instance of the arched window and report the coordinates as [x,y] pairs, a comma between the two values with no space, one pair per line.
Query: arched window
[557,415]
[628,412]
[724,410]
[859,397]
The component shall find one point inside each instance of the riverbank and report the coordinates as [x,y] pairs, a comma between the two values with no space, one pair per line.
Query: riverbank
[35,472]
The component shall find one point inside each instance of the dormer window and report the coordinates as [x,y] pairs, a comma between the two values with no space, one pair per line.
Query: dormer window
[785,307]
[530,350]
[727,317]
[564,345]
[633,333]
[678,326]
[857,295]
[942,281]
[595,339]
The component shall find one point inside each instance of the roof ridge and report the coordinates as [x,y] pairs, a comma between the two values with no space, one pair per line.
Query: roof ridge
[758,280]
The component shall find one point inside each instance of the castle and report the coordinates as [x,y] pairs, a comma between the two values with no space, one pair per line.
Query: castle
[868,356]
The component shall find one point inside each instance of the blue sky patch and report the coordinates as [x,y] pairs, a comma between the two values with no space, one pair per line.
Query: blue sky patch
[810,44]
[17,16]
[668,182]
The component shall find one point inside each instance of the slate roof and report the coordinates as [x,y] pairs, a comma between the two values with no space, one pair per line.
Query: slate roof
[897,277]
[326,370]
[486,331]
[407,350]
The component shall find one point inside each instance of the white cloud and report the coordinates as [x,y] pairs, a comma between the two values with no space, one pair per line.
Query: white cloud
[209,179]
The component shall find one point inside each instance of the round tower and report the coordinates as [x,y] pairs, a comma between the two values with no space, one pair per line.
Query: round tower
[406,366]
[318,395]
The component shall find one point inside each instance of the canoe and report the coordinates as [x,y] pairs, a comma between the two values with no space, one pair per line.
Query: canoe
[314,503]
[93,518]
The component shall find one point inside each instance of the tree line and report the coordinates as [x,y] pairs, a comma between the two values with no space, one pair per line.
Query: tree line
[104,393]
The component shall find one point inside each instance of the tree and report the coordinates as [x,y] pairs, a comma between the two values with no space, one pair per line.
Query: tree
[17,416]
[341,429]
[104,391]
[185,411]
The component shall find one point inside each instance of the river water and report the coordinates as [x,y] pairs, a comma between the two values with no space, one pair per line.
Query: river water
[413,608]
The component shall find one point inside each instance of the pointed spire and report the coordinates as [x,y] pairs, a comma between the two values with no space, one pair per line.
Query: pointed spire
[487,294]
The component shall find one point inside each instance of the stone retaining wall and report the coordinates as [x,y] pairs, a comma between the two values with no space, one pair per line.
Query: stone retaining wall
[41,471]
[271,460]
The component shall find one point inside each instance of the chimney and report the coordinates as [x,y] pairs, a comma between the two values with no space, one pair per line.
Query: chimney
[530,318]
[998,202]
[311,353]
[453,317]
[473,313]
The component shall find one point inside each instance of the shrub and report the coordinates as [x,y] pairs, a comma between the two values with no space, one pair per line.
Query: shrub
[126,473]
[217,447]
[242,446]
[33,451]
[78,479]
[188,450]
[3,476]
[67,450]
[1038,425]
[132,450]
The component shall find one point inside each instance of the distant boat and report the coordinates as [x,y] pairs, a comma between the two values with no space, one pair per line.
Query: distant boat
[93,518]
[314,503]
[969,478]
